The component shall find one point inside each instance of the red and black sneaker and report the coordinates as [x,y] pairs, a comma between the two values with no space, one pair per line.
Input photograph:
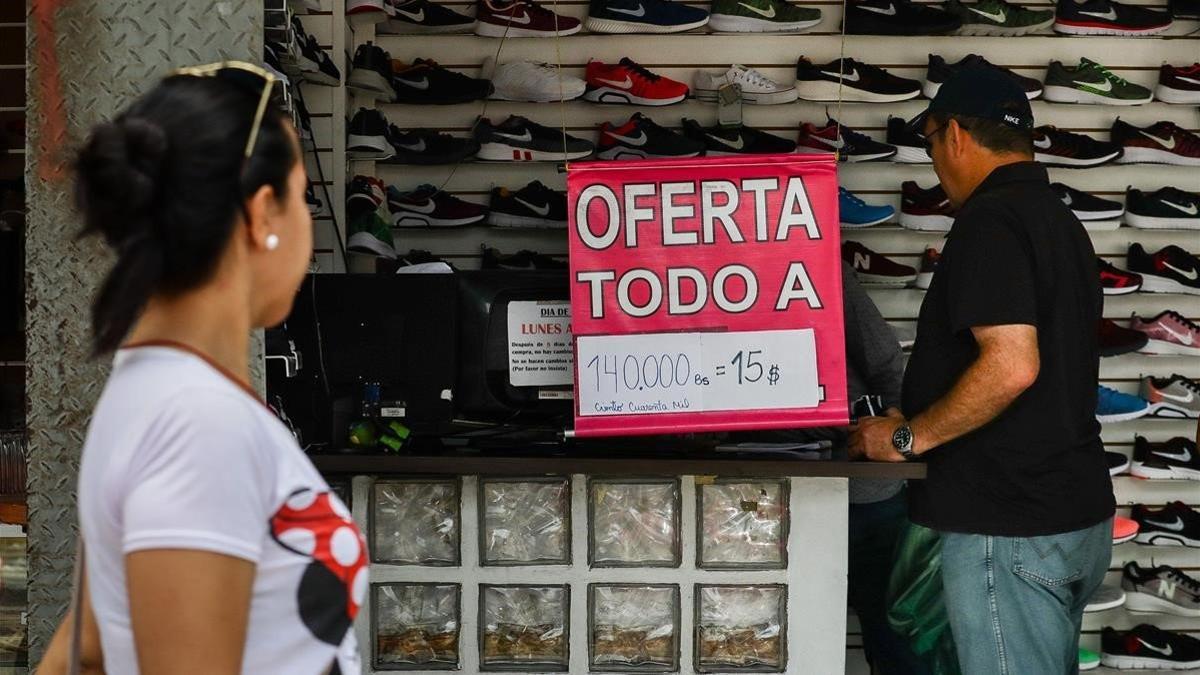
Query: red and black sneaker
[873,269]
[1116,281]
[1116,340]
[1170,270]
[1178,84]
[1054,147]
[925,210]
[929,264]
[428,206]
[1106,17]
[629,83]
[521,18]
[1160,143]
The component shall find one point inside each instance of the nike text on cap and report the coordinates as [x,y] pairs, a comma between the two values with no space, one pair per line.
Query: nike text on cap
[983,92]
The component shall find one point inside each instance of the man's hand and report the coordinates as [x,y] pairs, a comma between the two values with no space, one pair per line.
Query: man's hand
[871,437]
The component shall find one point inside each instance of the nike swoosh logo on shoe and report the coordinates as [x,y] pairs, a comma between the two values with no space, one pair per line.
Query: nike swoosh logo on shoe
[1165,651]
[1184,457]
[890,11]
[423,83]
[1174,526]
[1185,339]
[640,139]
[523,19]
[419,146]
[741,143]
[851,76]
[1104,86]
[1187,79]
[998,18]
[1190,275]
[767,15]
[627,84]
[1181,399]
[640,11]
[418,17]
[1190,209]
[1111,14]
[1042,143]
[525,137]
[1168,143]
[427,208]
[542,211]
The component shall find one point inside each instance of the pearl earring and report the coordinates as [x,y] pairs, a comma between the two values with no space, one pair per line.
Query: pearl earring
[272,242]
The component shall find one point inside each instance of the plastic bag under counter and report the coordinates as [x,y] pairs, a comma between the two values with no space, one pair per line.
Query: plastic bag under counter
[415,522]
[634,523]
[524,626]
[525,522]
[743,524]
[416,624]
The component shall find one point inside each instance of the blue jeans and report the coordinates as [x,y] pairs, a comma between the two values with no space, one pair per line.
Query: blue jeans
[1016,603]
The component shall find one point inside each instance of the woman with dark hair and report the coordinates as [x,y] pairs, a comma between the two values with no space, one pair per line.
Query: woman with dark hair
[211,544]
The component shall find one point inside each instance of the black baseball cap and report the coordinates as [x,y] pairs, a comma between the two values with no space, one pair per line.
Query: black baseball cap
[984,92]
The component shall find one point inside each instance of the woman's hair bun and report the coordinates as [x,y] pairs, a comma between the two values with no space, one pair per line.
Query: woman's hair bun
[119,174]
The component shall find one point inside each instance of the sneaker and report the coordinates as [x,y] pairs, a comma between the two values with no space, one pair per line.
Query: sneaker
[629,83]
[367,136]
[422,262]
[365,12]
[929,264]
[1054,147]
[1164,209]
[761,16]
[641,138]
[854,212]
[371,234]
[925,210]
[1124,530]
[1173,525]
[530,81]
[1176,396]
[534,205]
[1094,213]
[739,140]
[425,146]
[1160,143]
[1115,281]
[1161,590]
[997,17]
[1108,596]
[1178,84]
[873,269]
[426,83]
[1184,9]
[1173,459]
[493,259]
[853,81]
[897,17]
[1168,334]
[1117,463]
[521,18]
[940,72]
[1090,82]
[1148,647]
[518,139]
[363,195]
[427,206]
[421,17]
[1088,659]
[643,16]
[757,88]
[315,65]
[1105,17]
[849,145]
[371,72]
[1115,340]
[1114,406]
[910,145]
[1170,270]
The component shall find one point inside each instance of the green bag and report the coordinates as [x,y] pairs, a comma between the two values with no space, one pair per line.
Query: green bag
[916,604]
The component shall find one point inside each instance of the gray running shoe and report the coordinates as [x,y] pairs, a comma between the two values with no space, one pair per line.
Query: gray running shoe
[1090,82]
[1108,596]
[1161,590]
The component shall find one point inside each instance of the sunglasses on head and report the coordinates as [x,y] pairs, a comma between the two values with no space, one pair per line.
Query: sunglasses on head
[245,75]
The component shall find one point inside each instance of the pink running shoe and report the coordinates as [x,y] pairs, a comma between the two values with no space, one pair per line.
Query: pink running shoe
[1170,333]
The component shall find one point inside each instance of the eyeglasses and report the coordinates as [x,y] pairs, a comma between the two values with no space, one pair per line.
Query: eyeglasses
[927,139]
[245,75]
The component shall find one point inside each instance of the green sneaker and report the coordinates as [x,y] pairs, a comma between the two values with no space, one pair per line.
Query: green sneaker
[1088,659]
[997,17]
[761,16]
[371,234]
[1090,82]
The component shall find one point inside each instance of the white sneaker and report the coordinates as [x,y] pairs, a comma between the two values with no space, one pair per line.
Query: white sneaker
[529,81]
[757,88]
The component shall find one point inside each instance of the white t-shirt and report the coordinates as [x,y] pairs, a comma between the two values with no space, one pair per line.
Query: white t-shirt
[180,456]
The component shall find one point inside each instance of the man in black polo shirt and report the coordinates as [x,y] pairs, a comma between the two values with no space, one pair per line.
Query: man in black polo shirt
[1000,394]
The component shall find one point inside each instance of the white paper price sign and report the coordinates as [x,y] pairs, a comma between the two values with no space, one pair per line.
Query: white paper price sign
[696,372]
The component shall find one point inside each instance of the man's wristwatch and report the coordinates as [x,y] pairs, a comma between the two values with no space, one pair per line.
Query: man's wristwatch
[902,440]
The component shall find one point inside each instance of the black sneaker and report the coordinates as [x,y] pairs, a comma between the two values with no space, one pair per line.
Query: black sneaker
[1148,647]
[425,146]
[641,138]
[427,83]
[518,139]
[1184,9]
[1175,524]
[315,65]
[421,17]
[1167,208]
[850,145]
[428,206]
[367,136]
[897,17]
[739,140]
[853,81]
[1170,270]
[1054,147]
[521,260]
[1117,463]
[1088,207]
[1105,17]
[1163,142]
[910,145]
[940,72]
[1173,459]
[372,72]
[534,205]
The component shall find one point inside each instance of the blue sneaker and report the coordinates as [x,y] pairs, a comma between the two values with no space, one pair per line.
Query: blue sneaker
[854,212]
[1113,406]
[643,16]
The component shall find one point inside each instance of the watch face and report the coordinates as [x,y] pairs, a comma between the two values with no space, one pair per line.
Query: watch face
[902,438]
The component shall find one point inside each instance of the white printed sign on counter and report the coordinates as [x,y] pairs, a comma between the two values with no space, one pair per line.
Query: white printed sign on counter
[539,344]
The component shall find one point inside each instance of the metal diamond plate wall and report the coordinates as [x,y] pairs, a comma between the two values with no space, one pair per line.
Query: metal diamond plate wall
[86,60]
